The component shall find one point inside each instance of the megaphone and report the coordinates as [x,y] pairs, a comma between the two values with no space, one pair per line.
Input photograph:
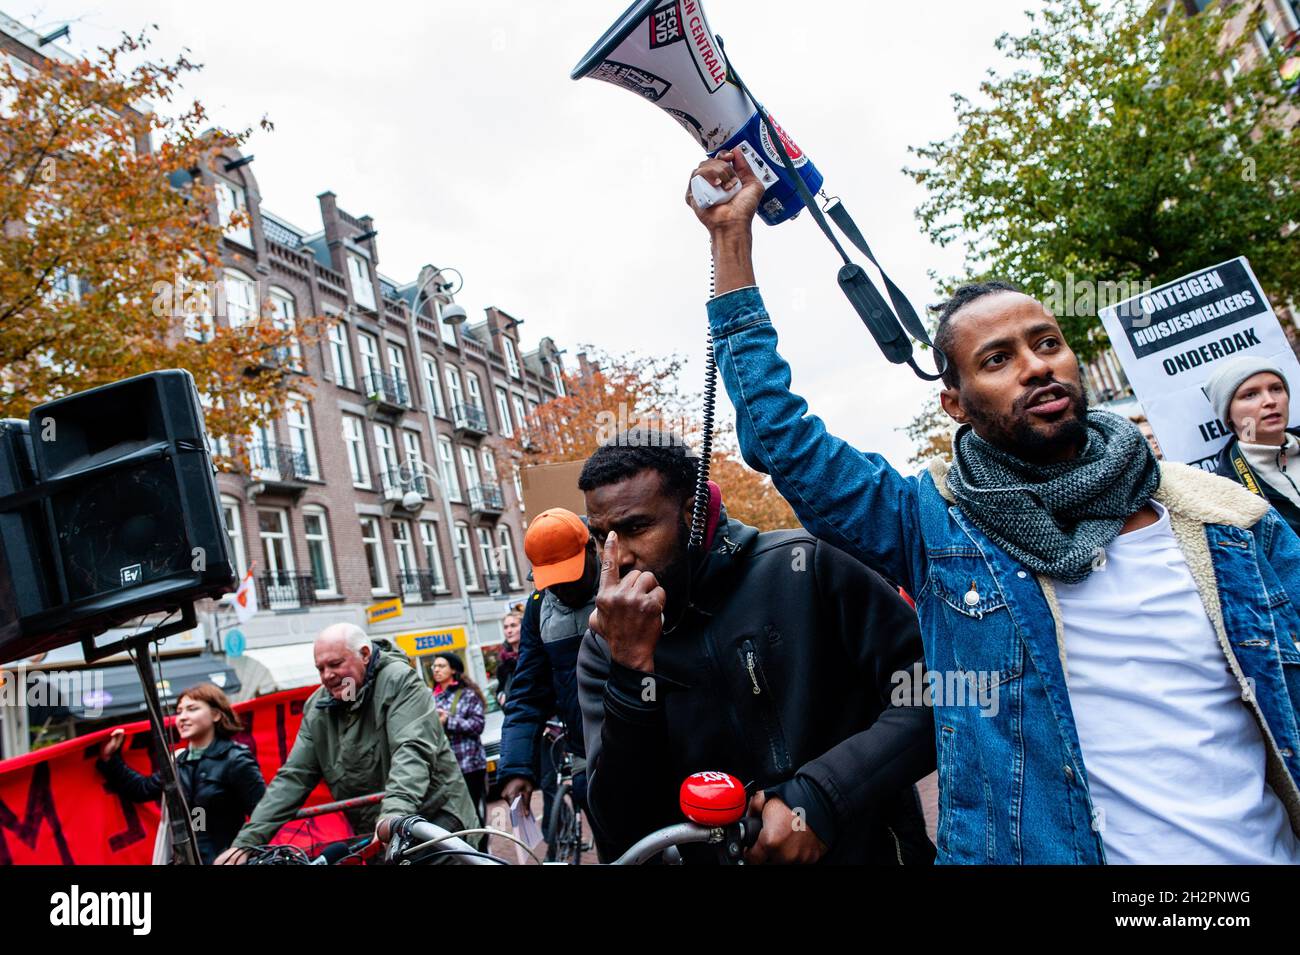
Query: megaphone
[664,51]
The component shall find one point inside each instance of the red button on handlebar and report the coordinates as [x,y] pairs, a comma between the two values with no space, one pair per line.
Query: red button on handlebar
[713,799]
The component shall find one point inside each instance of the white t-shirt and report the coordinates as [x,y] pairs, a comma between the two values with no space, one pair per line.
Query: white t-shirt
[1175,759]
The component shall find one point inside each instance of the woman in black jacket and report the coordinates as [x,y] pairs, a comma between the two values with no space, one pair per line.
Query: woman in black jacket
[220,778]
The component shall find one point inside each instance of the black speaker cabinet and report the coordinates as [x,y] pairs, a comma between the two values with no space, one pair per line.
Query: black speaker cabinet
[108,510]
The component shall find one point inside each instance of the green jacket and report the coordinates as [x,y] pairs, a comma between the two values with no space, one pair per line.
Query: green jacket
[389,740]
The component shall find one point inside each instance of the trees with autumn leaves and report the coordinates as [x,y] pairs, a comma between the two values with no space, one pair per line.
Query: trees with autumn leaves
[612,394]
[110,246]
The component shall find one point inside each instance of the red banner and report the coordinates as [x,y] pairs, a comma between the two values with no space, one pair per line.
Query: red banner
[55,807]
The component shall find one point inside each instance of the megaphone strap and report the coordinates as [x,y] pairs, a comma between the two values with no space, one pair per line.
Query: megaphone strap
[864,296]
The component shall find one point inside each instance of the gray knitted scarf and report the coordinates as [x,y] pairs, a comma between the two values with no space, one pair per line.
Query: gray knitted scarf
[1055,518]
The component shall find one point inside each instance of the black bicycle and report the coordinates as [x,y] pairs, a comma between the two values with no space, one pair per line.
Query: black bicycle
[564,826]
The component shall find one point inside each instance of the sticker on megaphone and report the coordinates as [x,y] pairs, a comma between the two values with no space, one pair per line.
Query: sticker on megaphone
[665,52]
[706,194]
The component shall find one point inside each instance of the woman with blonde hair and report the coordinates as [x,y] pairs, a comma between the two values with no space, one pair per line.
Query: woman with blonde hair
[220,778]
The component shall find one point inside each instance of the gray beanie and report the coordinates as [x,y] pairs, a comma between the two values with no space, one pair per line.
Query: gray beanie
[1223,384]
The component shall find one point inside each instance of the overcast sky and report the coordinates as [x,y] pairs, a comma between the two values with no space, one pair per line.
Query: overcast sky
[455,125]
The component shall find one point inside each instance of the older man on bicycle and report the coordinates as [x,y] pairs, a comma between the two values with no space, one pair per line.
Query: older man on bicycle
[370,727]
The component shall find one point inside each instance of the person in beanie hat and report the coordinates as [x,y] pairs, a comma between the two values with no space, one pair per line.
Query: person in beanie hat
[1251,396]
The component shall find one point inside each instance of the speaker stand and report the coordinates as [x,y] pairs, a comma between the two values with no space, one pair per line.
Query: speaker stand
[185,846]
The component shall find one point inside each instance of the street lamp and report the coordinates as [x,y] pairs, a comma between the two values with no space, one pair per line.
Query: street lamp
[412,499]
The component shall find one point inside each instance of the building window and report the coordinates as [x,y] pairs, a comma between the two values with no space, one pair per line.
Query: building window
[231,199]
[387,457]
[341,353]
[488,555]
[448,332]
[374,548]
[397,361]
[432,553]
[470,464]
[284,317]
[489,466]
[506,547]
[265,459]
[512,357]
[413,464]
[370,369]
[406,567]
[1267,33]
[234,534]
[363,293]
[465,557]
[447,465]
[557,373]
[193,301]
[433,391]
[241,298]
[316,533]
[521,418]
[354,437]
[503,412]
[298,417]
[454,393]
[277,554]
[217,444]
[475,390]
[519,487]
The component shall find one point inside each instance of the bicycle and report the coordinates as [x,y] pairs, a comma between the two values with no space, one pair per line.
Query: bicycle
[564,840]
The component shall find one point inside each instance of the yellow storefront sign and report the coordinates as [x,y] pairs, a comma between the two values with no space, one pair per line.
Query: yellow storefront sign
[425,642]
[384,610]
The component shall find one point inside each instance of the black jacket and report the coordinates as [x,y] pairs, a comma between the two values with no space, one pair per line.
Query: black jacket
[225,783]
[779,672]
[1232,464]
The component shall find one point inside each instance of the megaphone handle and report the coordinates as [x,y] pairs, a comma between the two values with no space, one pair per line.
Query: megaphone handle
[706,194]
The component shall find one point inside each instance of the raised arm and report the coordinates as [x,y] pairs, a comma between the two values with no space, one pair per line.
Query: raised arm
[855,500]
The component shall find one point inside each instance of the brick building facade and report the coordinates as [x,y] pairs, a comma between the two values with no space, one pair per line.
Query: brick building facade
[343,505]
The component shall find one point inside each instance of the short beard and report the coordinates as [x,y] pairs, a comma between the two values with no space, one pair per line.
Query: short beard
[1016,434]
[675,577]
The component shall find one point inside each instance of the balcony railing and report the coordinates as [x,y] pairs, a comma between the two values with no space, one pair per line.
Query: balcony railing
[279,462]
[487,498]
[281,590]
[388,390]
[395,479]
[470,418]
[420,584]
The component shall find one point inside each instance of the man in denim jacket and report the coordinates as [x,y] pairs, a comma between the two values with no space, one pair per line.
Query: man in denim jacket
[1112,642]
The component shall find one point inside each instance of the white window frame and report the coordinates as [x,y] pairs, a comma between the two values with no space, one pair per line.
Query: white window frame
[506,544]
[445,330]
[281,535]
[386,452]
[433,552]
[377,542]
[284,314]
[240,291]
[518,403]
[341,353]
[397,362]
[469,462]
[231,198]
[234,534]
[487,550]
[354,439]
[404,548]
[489,462]
[503,412]
[455,390]
[371,368]
[414,456]
[363,290]
[512,357]
[474,389]
[447,468]
[432,386]
[465,554]
[297,417]
[327,551]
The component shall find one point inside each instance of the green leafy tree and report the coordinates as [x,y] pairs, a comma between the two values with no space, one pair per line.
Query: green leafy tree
[1119,149]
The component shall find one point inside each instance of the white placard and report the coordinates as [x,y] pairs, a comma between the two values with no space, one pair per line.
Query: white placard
[1171,339]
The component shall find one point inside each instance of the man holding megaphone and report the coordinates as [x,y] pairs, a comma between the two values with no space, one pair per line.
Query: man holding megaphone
[1137,620]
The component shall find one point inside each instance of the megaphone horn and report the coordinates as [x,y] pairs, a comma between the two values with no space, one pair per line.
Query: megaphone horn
[664,51]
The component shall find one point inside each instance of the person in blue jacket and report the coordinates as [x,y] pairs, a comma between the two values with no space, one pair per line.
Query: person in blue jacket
[1110,642]
[566,571]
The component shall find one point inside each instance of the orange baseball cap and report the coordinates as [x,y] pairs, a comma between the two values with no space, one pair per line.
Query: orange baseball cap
[556,546]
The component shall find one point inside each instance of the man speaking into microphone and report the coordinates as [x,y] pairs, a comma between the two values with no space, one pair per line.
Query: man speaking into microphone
[1138,620]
